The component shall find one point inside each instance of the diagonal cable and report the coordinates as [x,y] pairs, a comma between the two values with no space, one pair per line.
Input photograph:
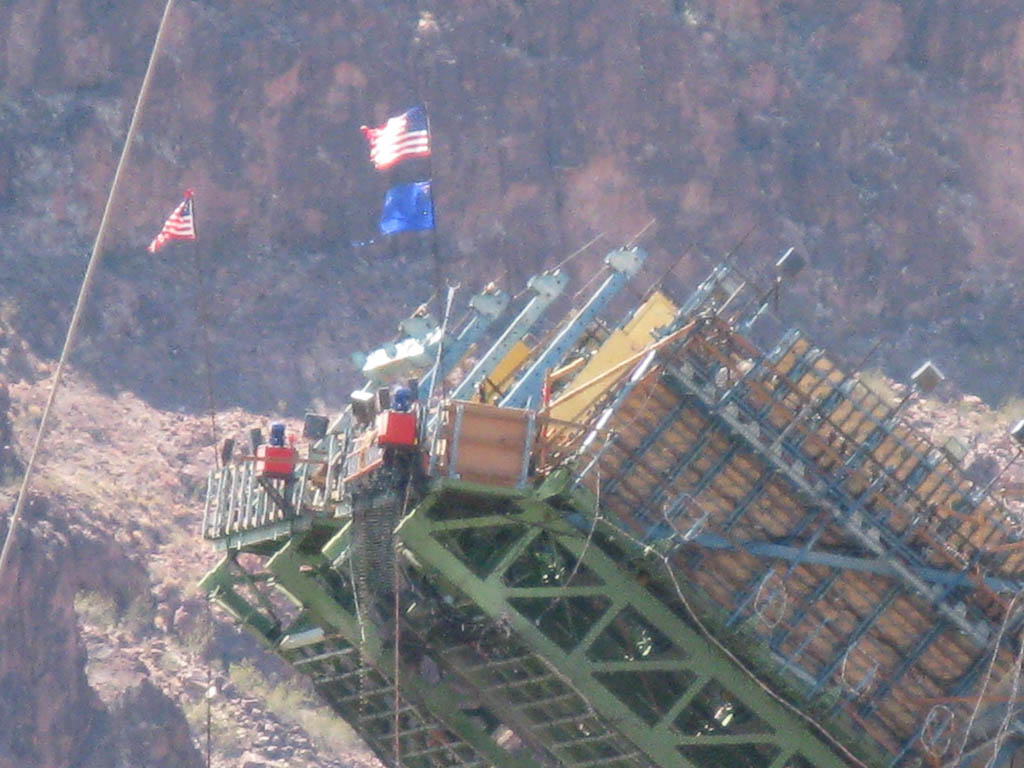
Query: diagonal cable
[83,293]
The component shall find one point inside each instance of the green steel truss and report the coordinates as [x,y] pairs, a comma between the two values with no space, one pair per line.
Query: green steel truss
[529,635]
[534,631]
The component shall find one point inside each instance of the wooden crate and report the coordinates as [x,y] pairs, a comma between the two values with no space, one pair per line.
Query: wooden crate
[483,443]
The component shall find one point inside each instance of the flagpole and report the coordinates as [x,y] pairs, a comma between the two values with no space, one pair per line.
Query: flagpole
[83,292]
[434,249]
[202,311]
[425,85]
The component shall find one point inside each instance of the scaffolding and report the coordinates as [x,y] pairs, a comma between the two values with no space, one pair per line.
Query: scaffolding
[679,548]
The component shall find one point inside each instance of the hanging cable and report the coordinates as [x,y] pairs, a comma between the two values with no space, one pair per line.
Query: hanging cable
[396,661]
[1004,726]
[364,671]
[396,585]
[1004,625]
[640,233]
[583,553]
[599,272]
[94,260]
[210,690]
[577,252]
[436,373]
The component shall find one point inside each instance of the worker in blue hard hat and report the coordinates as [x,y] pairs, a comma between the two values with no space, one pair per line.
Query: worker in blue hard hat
[402,399]
[277,434]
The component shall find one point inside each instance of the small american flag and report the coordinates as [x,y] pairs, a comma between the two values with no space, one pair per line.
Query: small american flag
[179,225]
[399,138]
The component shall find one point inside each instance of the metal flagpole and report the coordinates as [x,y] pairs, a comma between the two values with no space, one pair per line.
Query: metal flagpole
[434,249]
[204,320]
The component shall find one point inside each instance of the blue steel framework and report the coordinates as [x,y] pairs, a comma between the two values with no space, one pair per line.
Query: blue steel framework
[966,596]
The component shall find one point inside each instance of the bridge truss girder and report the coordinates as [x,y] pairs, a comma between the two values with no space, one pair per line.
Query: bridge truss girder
[571,652]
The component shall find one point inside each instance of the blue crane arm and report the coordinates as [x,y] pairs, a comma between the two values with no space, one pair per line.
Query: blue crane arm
[487,306]
[418,350]
[546,288]
[624,264]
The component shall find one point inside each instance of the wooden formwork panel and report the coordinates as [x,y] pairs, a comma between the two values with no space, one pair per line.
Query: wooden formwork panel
[897,455]
[637,487]
[487,444]
[775,513]
[760,399]
[947,658]
[714,578]
[802,580]
[898,518]
[728,575]
[916,694]
[784,363]
[718,500]
[742,472]
[1013,565]
[906,620]
[892,453]
[854,597]
[819,635]
[820,448]
[894,719]
[828,378]
[735,570]
[636,419]
[625,443]
[648,472]
[817,379]
[984,524]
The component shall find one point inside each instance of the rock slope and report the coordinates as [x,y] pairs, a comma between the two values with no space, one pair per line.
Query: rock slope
[106,650]
[881,139]
[105,646]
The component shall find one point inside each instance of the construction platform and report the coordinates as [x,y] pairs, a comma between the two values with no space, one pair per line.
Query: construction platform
[651,542]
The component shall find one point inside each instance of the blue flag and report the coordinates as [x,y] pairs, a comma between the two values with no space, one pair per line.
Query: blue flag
[407,207]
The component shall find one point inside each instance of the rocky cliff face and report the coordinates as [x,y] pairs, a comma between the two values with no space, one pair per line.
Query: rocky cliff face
[43,652]
[52,715]
[106,649]
[879,138]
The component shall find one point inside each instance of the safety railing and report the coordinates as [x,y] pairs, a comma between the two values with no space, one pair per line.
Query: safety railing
[244,497]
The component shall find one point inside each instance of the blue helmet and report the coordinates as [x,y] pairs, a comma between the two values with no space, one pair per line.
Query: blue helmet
[402,399]
[277,434]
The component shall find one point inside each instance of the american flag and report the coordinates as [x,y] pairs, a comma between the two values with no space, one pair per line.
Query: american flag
[179,225]
[400,137]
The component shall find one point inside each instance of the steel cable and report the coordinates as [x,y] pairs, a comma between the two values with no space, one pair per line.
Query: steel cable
[83,293]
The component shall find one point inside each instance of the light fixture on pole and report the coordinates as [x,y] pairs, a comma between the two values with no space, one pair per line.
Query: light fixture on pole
[786,267]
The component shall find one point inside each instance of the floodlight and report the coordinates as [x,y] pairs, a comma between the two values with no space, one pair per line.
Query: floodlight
[255,438]
[1017,433]
[790,264]
[955,450]
[927,377]
[314,427]
[363,406]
